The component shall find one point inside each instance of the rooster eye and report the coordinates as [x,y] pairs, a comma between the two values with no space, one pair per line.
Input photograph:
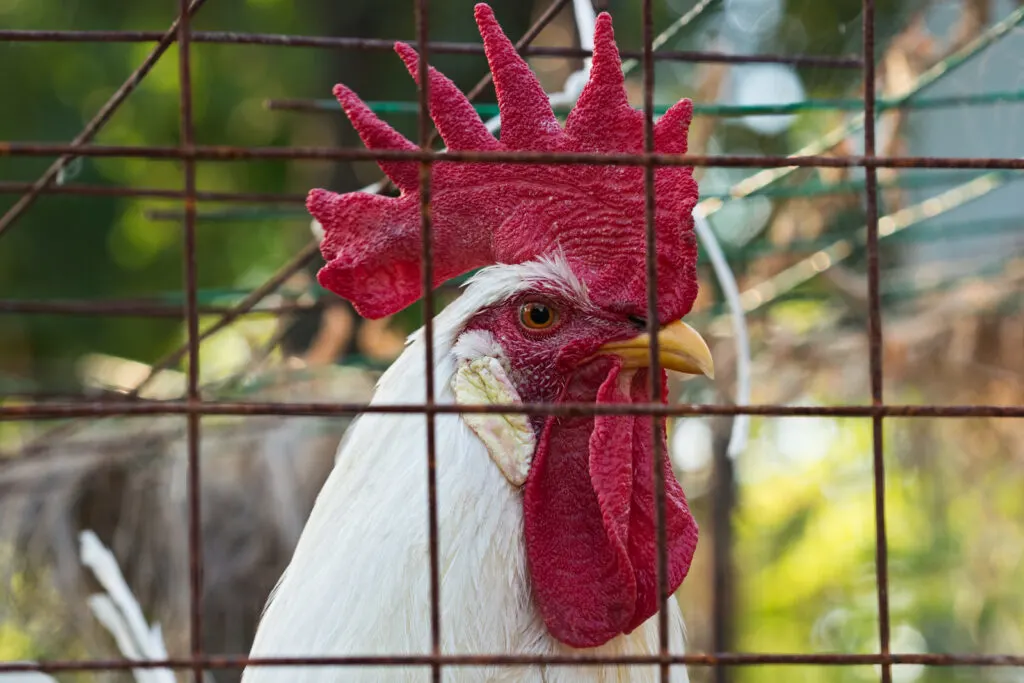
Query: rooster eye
[537,316]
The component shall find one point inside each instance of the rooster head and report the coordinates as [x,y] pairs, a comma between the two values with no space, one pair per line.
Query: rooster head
[572,330]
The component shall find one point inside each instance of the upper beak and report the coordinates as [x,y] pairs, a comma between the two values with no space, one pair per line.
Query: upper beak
[680,348]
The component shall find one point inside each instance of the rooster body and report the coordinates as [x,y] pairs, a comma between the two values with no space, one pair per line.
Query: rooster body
[548,533]
[368,530]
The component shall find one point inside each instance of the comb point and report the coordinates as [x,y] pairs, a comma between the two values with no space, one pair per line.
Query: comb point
[410,57]
[453,115]
[527,120]
[376,134]
[603,118]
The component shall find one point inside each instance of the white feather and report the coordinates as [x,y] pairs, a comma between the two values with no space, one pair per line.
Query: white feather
[25,677]
[358,583]
[120,613]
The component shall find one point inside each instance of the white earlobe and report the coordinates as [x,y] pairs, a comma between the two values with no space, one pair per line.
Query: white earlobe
[509,438]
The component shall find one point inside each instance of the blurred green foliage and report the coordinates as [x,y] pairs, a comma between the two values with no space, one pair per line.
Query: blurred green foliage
[805,546]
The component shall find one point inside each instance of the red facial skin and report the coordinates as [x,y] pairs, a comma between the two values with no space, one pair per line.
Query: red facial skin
[544,361]
[589,498]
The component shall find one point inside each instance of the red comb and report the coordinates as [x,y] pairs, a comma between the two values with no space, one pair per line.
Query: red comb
[488,213]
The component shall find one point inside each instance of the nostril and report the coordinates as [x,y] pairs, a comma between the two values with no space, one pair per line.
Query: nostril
[639,321]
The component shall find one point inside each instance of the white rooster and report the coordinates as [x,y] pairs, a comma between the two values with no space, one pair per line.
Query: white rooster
[546,523]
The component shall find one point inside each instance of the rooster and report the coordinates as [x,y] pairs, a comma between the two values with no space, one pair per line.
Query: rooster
[547,538]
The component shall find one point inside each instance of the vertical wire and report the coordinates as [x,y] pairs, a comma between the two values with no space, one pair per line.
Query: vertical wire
[192,323]
[875,339]
[427,263]
[195,541]
[652,333]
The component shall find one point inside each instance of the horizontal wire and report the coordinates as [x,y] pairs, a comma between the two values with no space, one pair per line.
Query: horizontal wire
[177,407]
[15,187]
[718,659]
[226,153]
[811,188]
[723,110]
[959,231]
[385,44]
[127,307]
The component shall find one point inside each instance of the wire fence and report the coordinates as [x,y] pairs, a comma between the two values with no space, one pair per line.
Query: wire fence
[193,406]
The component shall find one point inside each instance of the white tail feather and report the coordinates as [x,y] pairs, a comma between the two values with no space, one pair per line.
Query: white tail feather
[120,613]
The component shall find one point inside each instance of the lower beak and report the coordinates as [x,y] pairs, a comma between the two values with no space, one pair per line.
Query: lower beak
[680,348]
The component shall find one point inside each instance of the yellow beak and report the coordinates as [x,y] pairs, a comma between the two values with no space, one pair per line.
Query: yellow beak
[680,348]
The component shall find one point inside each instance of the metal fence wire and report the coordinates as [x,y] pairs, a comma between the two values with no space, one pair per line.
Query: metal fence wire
[194,407]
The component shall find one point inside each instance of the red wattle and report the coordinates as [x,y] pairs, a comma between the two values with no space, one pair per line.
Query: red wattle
[680,527]
[589,515]
[581,577]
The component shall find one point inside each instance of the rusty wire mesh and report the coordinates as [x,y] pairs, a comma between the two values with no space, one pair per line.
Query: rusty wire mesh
[193,407]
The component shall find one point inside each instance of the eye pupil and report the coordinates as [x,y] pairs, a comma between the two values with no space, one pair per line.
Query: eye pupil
[537,316]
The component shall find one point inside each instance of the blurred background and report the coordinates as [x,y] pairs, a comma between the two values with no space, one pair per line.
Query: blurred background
[91,299]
